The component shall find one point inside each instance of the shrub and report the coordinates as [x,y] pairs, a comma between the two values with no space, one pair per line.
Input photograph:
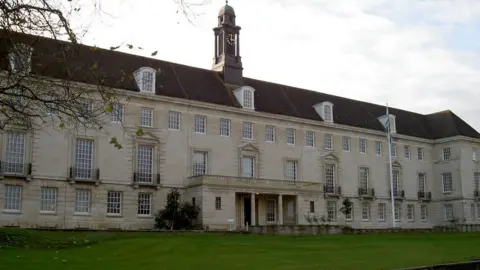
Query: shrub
[177,215]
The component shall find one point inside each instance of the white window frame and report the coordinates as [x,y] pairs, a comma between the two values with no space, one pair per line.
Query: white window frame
[225,127]
[199,162]
[328,141]
[411,214]
[346,143]
[476,181]
[15,153]
[423,212]
[145,167]
[394,149]
[365,211]
[310,138]
[117,114]
[420,153]
[83,201]
[48,199]
[248,171]
[422,182]
[364,176]
[328,113]
[398,211]
[291,170]
[13,198]
[448,209]
[144,81]
[378,148]
[146,117]
[332,210]
[248,99]
[382,211]
[330,178]
[362,145]
[271,210]
[270,133]
[174,120]
[200,124]
[114,203]
[446,153]
[447,182]
[144,204]
[406,151]
[291,136]
[84,158]
[248,130]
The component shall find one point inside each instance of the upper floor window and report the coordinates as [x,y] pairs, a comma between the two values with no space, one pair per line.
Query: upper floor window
[310,138]
[200,124]
[117,113]
[290,135]
[325,110]
[145,78]
[225,125]
[420,153]
[14,153]
[83,158]
[248,130]
[199,163]
[174,120]
[446,153]
[146,117]
[248,99]
[20,57]
[394,149]
[447,182]
[362,145]
[291,167]
[328,141]
[475,154]
[245,96]
[346,143]
[270,133]
[378,148]
[406,151]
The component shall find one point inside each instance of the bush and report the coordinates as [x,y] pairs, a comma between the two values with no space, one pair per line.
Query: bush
[177,215]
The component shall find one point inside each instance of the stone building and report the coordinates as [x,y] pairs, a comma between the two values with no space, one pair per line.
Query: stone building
[246,151]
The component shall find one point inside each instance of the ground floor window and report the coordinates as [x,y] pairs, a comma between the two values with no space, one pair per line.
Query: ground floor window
[448,212]
[365,211]
[218,203]
[331,210]
[423,212]
[144,204]
[398,212]
[381,211]
[411,212]
[270,211]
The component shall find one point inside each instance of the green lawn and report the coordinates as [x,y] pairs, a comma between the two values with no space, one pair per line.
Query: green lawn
[210,251]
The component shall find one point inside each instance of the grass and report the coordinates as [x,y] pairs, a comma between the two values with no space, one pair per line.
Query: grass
[82,250]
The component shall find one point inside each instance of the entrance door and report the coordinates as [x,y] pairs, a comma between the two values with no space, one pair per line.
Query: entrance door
[247,211]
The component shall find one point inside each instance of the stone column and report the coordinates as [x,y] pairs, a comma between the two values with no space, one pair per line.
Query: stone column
[280,209]
[252,206]
[297,209]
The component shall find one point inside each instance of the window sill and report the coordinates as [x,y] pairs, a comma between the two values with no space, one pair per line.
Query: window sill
[114,215]
[145,216]
[82,214]
[12,212]
[225,136]
[46,213]
[199,133]
[173,129]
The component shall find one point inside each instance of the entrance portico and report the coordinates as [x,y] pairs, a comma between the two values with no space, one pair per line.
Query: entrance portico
[265,209]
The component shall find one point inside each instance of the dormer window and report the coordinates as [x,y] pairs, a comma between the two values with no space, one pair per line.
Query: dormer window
[245,97]
[145,78]
[325,111]
[20,58]
[390,121]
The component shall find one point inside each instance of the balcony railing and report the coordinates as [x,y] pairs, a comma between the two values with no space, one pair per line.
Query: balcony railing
[423,195]
[366,192]
[397,193]
[246,182]
[15,169]
[332,190]
[84,175]
[146,179]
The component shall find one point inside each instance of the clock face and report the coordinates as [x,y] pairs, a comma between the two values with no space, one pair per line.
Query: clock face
[231,39]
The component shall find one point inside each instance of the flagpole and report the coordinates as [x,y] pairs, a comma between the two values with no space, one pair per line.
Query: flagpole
[389,140]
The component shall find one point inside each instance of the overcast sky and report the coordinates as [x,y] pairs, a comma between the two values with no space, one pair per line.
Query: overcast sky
[418,55]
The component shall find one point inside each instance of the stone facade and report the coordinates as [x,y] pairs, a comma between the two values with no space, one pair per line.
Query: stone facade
[51,153]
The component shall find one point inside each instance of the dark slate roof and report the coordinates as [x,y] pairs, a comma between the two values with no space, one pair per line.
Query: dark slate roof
[181,81]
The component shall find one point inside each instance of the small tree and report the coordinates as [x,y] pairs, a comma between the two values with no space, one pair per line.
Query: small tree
[177,215]
[346,208]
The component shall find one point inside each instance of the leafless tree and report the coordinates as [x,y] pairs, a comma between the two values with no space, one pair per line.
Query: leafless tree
[33,100]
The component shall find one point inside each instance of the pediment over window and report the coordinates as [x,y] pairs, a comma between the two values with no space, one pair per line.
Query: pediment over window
[396,164]
[147,137]
[325,110]
[145,79]
[245,96]
[248,147]
[331,157]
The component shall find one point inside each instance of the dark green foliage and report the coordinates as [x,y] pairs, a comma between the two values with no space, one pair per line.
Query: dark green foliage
[177,215]
[346,208]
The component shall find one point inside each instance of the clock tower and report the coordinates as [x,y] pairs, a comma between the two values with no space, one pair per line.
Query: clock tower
[227,58]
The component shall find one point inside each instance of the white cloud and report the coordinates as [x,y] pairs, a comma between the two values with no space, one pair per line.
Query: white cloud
[375,50]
